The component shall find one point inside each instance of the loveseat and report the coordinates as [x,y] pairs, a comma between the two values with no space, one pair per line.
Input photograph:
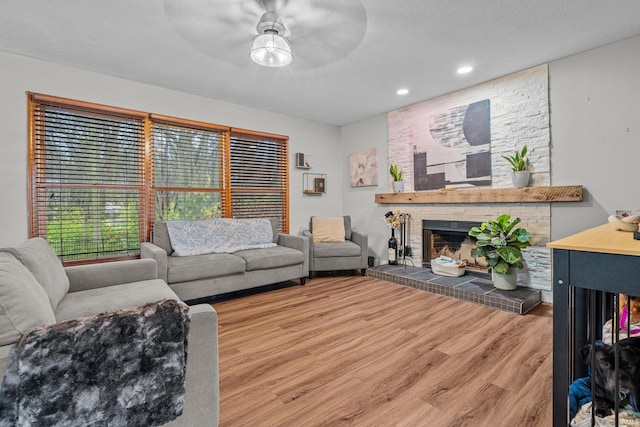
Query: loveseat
[35,290]
[205,258]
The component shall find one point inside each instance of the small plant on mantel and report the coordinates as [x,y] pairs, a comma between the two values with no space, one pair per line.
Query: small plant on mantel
[500,244]
[396,172]
[519,160]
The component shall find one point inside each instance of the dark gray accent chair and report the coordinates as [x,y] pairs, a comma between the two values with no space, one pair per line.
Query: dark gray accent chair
[352,254]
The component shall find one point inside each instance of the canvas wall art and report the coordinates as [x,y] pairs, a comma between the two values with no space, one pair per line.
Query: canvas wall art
[363,168]
[457,151]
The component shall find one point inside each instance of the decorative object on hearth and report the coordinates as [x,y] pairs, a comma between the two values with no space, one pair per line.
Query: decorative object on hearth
[396,174]
[393,221]
[447,266]
[500,243]
[624,223]
[519,163]
[399,250]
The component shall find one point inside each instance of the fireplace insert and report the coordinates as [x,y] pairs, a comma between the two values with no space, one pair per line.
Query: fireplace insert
[450,238]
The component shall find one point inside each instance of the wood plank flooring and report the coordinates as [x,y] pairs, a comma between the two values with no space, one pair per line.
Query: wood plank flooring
[357,351]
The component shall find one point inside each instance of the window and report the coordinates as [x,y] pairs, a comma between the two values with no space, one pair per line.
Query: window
[188,178]
[258,177]
[100,176]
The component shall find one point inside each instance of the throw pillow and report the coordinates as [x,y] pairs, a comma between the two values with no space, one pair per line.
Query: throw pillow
[23,302]
[328,229]
[43,263]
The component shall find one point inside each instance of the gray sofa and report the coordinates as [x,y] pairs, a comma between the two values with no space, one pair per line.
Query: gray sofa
[36,290]
[201,276]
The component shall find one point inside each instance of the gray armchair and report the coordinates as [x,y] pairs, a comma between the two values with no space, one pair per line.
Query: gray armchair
[331,254]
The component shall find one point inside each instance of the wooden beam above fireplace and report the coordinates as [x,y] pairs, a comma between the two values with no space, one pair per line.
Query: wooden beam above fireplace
[569,193]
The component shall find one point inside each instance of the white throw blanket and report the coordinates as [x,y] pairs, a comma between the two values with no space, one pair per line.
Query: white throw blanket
[220,235]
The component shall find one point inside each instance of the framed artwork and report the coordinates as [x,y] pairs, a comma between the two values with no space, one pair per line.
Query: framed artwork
[363,168]
[457,151]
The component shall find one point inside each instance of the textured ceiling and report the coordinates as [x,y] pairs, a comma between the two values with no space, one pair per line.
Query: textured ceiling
[350,55]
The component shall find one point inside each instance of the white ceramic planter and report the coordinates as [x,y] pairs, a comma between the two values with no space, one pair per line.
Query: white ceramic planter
[520,178]
[398,186]
[506,282]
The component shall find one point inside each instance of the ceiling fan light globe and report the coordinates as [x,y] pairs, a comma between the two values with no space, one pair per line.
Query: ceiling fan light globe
[271,50]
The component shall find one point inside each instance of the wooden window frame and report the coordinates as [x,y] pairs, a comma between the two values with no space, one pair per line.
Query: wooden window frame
[147,187]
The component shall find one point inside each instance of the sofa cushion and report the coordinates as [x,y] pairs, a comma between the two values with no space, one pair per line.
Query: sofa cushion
[43,263]
[275,228]
[329,250]
[112,298]
[161,237]
[23,302]
[262,259]
[183,269]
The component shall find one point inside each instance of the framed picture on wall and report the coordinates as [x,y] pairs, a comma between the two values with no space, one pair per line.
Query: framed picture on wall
[363,168]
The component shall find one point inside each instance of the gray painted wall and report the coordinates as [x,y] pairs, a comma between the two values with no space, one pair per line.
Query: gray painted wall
[595,139]
[20,74]
[595,136]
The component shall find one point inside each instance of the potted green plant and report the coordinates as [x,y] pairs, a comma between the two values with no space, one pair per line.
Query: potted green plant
[500,243]
[519,163]
[396,174]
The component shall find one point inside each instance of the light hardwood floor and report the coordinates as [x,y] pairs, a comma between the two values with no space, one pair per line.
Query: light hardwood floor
[358,351]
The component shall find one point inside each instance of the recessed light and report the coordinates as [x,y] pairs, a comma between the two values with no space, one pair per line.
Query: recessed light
[402,91]
[465,70]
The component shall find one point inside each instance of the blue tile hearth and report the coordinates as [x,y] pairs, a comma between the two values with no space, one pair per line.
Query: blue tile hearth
[470,287]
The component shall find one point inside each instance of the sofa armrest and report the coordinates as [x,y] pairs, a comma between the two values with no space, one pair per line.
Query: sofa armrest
[202,394]
[300,243]
[149,250]
[362,240]
[92,276]
[309,236]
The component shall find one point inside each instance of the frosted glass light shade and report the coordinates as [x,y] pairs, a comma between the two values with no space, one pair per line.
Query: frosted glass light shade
[271,50]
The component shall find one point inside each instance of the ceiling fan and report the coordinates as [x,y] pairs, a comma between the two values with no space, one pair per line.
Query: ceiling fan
[320,31]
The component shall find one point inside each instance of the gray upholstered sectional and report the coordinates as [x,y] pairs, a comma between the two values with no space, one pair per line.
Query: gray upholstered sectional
[36,290]
[200,276]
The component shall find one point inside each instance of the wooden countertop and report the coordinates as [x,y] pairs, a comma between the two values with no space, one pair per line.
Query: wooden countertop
[602,239]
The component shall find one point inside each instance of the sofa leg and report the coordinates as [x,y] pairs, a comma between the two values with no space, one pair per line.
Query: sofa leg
[303,280]
[363,271]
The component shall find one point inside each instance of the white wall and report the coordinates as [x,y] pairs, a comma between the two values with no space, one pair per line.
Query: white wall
[595,137]
[20,74]
[359,202]
[595,142]
[595,134]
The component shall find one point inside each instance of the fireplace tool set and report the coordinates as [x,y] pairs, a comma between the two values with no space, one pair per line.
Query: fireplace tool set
[404,250]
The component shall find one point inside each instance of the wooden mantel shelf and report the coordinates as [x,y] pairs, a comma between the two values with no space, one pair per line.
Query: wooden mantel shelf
[570,193]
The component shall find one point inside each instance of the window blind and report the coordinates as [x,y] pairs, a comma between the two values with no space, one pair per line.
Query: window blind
[258,177]
[99,176]
[87,181]
[188,172]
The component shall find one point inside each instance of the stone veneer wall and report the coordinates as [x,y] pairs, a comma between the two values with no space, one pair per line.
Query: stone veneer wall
[536,218]
[519,116]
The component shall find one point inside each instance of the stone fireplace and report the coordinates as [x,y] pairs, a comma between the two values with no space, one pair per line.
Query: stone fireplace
[536,218]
